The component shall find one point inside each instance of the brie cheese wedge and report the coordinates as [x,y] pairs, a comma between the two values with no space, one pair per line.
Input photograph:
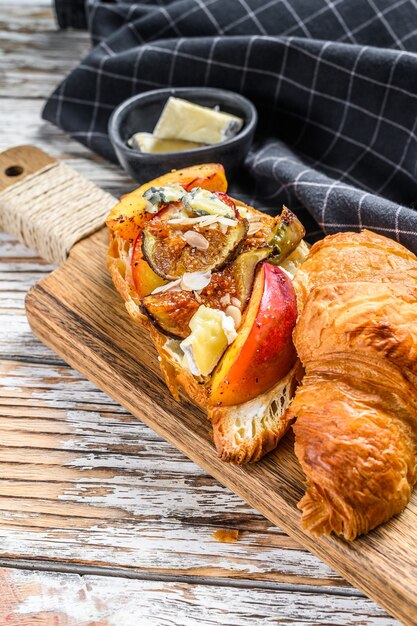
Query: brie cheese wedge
[181,119]
[211,332]
[146,142]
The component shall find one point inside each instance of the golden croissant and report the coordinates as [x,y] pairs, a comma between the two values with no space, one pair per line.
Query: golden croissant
[356,410]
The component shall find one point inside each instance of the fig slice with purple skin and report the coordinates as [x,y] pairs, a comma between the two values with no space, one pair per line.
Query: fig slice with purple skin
[244,268]
[286,236]
[170,312]
[170,256]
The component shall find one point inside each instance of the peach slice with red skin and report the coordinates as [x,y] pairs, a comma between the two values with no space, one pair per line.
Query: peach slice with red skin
[263,351]
[128,216]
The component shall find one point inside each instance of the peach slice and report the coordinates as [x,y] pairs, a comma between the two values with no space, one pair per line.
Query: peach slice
[263,351]
[144,278]
[129,215]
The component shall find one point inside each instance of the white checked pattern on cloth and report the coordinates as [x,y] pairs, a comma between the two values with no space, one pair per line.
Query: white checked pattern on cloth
[334,81]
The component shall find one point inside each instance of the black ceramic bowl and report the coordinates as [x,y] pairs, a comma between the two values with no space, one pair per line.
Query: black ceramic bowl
[141,113]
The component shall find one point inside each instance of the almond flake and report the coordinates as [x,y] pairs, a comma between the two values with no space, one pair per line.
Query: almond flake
[203,220]
[174,285]
[195,281]
[254,227]
[196,240]
[235,314]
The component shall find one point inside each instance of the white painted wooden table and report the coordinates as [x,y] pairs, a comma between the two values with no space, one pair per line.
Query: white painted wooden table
[102,522]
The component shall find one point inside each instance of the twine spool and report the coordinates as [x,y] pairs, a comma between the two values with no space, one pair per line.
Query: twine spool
[52,209]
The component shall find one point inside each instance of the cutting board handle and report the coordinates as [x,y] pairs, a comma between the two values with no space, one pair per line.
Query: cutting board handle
[46,204]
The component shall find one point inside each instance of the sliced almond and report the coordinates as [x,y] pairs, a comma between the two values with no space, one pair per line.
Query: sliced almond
[195,281]
[235,314]
[174,285]
[203,220]
[254,227]
[196,240]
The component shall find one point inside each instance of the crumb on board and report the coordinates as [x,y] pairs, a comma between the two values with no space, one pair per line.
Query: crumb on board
[226,535]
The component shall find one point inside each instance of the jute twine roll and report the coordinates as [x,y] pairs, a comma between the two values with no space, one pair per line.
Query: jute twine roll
[51,210]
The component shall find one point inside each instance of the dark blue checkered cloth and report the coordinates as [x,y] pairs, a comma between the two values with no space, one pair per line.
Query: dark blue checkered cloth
[334,82]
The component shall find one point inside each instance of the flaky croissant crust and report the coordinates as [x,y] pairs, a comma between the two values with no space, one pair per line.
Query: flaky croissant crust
[356,411]
[242,433]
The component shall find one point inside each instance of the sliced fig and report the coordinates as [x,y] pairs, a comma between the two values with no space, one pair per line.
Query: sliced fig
[171,311]
[286,236]
[169,255]
[144,278]
[244,268]
[261,228]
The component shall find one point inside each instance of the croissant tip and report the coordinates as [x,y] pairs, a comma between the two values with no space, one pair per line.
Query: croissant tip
[319,519]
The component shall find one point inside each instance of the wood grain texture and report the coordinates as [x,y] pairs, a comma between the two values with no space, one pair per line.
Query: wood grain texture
[42,599]
[19,162]
[76,311]
[52,405]
[36,55]
[85,482]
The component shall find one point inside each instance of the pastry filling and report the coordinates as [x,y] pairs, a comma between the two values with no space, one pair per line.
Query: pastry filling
[194,263]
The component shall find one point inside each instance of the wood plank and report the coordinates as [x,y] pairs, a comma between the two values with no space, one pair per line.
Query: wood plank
[27,79]
[45,599]
[100,340]
[28,128]
[85,482]
[20,268]
[32,27]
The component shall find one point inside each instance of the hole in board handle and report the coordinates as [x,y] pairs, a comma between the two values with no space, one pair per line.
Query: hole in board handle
[14,170]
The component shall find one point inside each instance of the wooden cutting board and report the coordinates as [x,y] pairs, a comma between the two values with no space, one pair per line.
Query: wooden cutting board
[77,312]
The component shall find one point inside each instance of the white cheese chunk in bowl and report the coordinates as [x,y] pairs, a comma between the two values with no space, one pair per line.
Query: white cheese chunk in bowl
[147,142]
[182,119]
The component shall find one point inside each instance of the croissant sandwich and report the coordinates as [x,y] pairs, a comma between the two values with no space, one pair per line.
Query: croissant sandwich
[209,277]
[241,312]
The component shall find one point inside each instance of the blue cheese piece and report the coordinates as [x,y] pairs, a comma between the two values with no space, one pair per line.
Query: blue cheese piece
[158,196]
[198,200]
[181,119]
[205,202]
[146,142]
